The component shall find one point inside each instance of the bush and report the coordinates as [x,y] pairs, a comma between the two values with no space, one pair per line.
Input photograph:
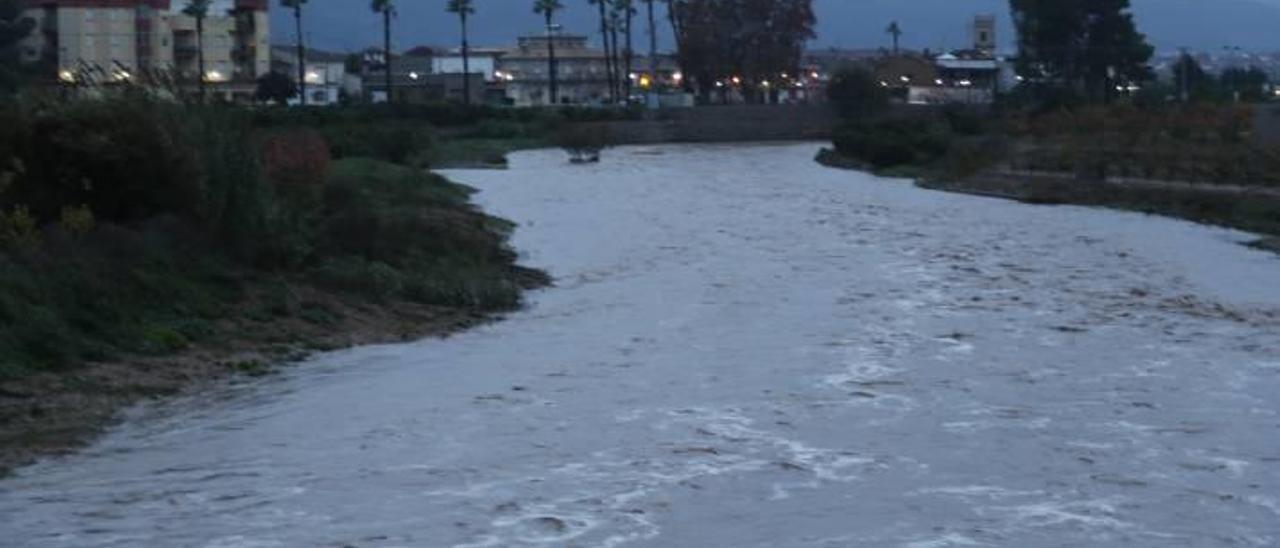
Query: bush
[855,93]
[396,142]
[584,142]
[892,142]
[127,159]
[296,163]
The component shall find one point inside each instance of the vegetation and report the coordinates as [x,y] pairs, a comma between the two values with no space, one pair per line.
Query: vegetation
[13,28]
[713,44]
[301,52]
[547,9]
[584,142]
[277,88]
[199,10]
[133,226]
[387,9]
[1079,49]
[855,93]
[463,8]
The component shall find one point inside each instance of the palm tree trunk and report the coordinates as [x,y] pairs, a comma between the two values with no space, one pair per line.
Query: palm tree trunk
[677,33]
[302,56]
[604,38]
[617,67]
[551,61]
[386,50]
[627,57]
[200,55]
[466,63]
[653,57]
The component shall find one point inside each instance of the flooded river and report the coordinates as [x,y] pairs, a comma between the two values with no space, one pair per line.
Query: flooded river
[745,349]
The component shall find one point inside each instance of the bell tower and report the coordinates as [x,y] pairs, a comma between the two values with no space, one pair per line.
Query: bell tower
[984,34]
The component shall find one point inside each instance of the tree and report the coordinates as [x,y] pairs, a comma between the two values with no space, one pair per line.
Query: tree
[548,9]
[1088,46]
[855,93]
[463,8]
[1193,83]
[275,87]
[13,28]
[615,22]
[296,5]
[675,9]
[653,54]
[1244,84]
[199,9]
[628,10]
[896,32]
[754,41]
[603,6]
[388,9]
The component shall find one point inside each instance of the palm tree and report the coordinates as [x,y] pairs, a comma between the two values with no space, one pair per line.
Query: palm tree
[302,54]
[627,7]
[895,31]
[463,8]
[604,38]
[615,22]
[673,17]
[653,55]
[199,9]
[548,8]
[388,9]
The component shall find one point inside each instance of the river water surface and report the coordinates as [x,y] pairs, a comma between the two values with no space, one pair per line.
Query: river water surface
[745,349]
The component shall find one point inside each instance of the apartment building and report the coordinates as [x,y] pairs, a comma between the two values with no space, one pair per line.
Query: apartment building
[100,41]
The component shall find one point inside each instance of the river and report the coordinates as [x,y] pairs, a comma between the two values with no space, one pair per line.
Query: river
[745,349]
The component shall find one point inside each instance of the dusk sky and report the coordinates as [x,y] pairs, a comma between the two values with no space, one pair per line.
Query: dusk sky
[348,25]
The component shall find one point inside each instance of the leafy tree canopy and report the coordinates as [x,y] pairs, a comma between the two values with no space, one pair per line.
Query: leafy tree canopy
[1085,45]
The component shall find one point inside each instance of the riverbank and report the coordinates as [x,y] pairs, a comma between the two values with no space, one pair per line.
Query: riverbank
[203,243]
[1199,163]
[48,414]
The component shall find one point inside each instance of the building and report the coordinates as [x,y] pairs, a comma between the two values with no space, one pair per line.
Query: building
[413,80]
[482,64]
[581,74]
[968,76]
[105,41]
[325,74]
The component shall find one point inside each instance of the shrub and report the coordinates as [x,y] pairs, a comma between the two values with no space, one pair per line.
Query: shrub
[396,142]
[855,93]
[892,142]
[127,159]
[297,163]
[584,142]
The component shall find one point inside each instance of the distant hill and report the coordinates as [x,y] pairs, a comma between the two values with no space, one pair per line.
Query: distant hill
[937,24]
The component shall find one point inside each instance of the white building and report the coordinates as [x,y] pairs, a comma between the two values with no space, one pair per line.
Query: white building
[326,73]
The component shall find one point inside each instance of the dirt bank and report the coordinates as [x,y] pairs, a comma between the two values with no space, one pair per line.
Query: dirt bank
[56,413]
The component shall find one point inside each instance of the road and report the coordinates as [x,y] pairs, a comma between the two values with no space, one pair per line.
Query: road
[746,349]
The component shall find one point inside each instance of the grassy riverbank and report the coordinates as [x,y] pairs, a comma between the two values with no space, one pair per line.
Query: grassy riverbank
[1197,163]
[146,246]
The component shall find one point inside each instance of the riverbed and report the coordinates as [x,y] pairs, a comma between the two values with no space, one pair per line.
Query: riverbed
[745,349]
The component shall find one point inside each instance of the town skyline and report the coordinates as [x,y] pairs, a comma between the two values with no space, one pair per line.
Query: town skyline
[933,24]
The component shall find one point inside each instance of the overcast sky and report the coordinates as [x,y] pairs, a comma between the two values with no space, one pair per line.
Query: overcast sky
[348,25]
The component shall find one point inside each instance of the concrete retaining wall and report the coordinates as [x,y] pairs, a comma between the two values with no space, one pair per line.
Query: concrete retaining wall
[737,123]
